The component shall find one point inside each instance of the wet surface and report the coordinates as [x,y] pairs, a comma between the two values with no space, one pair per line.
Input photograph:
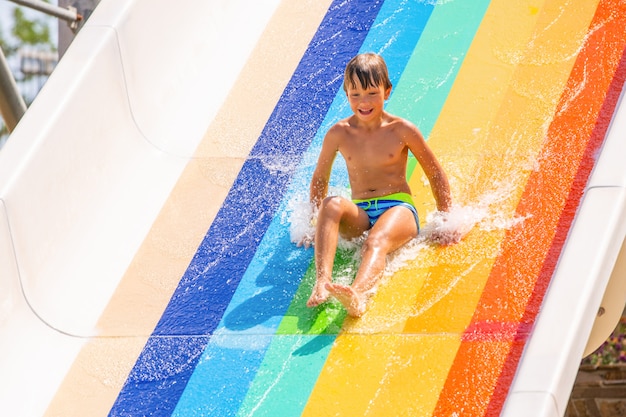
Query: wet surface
[515,99]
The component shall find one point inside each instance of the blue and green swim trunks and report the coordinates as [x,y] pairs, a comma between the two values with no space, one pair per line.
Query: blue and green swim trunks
[375,207]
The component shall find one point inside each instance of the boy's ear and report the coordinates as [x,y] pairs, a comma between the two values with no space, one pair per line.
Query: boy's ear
[387,93]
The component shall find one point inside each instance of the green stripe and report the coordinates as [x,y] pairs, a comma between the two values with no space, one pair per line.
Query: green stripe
[290,360]
[304,339]
[305,336]
[428,77]
[326,318]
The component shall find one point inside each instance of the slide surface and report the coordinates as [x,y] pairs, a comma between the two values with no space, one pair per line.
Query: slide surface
[150,197]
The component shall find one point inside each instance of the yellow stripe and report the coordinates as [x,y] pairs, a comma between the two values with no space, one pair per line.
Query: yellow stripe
[375,375]
[510,138]
[490,130]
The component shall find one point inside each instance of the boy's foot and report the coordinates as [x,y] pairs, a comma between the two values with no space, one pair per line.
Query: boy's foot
[353,302]
[319,295]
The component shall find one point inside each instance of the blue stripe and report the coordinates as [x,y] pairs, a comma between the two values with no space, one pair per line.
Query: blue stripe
[164,367]
[238,346]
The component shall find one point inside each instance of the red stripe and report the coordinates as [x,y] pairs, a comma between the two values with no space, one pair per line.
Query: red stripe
[580,181]
[516,286]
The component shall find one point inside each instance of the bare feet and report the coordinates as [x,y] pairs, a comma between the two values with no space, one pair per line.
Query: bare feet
[353,301]
[319,295]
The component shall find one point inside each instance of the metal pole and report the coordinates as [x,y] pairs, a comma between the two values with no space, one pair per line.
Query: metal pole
[70,15]
[12,106]
[67,33]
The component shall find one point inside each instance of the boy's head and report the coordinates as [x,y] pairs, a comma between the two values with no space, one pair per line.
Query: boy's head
[370,69]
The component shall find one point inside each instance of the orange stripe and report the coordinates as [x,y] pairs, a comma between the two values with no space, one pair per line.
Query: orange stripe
[575,195]
[517,284]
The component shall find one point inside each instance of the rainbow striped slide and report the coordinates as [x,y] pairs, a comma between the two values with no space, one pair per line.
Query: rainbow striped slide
[515,98]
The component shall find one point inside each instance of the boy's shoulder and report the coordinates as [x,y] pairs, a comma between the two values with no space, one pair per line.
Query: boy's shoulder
[400,120]
[340,127]
[401,124]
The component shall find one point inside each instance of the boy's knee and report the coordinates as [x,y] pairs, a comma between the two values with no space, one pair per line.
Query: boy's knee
[375,242]
[331,205]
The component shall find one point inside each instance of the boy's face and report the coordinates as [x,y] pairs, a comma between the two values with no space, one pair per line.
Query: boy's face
[366,103]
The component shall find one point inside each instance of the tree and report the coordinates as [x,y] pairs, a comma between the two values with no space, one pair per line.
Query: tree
[28,30]
[31,32]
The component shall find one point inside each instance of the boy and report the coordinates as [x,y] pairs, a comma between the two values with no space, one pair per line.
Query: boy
[375,146]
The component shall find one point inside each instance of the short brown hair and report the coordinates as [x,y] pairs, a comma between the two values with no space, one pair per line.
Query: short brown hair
[370,69]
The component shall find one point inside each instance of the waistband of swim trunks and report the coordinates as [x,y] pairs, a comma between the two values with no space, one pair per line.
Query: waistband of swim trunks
[404,197]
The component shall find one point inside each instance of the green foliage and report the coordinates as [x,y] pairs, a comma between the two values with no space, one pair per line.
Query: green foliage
[31,32]
[3,43]
[24,30]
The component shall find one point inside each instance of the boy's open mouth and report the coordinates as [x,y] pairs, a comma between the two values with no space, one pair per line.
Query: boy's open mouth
[365,112]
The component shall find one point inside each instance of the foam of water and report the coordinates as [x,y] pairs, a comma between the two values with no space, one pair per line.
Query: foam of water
[302,217]
[441,228]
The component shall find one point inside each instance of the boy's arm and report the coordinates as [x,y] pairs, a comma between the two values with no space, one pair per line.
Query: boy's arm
[318,190]
[319,184]
[321,174]
[445,232]
[432,168]
[440,186]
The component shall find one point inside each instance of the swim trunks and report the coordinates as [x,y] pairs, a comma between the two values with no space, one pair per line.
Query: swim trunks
[375,207]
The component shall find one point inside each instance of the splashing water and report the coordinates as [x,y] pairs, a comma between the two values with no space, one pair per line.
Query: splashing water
[489,213]
[302,217]
[447,228]
[441,228]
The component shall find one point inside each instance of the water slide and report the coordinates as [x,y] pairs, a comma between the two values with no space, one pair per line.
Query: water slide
[150,197]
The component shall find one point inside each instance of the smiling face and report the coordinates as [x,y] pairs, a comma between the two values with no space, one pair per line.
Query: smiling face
[367,85]
[367,102]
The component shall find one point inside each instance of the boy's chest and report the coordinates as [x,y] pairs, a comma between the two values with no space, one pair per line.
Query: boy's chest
[380,150]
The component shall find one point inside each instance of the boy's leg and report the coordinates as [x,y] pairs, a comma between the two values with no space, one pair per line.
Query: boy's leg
[336,215]
[393,229]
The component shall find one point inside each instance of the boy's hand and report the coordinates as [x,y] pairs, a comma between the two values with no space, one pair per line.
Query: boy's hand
[302,224]
[446,228]
[307,240]
[446,237]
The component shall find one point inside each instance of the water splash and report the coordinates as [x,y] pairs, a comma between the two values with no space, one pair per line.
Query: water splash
[302,217]
[441,228]
[490,212]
